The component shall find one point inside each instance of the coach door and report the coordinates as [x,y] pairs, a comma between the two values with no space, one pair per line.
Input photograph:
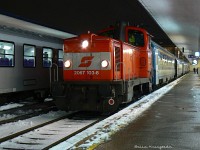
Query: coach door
[117,62]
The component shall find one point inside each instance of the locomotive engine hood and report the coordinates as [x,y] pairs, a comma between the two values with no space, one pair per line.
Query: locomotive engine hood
[88,57]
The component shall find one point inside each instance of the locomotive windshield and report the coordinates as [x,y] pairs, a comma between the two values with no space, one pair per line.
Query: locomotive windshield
[135,38]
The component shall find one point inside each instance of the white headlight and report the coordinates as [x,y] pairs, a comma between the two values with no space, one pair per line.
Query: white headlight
[67,63]
[104,64]
[85,44]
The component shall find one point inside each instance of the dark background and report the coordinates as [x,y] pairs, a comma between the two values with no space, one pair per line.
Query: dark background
[80,16]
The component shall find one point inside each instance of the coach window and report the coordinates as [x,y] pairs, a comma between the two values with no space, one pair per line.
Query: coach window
[6,54]
[47,57]
[29,56]
[60,58]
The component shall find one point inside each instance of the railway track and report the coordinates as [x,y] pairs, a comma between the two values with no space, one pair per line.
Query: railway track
[26,111]
[43,131]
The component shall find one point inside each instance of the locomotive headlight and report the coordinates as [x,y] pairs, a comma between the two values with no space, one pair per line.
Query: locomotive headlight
[104,64]
[67,64]
[85,44]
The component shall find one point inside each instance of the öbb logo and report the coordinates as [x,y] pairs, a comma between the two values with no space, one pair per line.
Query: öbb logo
[86,61]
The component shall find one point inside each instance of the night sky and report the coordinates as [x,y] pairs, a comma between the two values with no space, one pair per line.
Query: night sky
[80,16]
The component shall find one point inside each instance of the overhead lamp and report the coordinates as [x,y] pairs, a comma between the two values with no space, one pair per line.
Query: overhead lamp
[6,47]
[197,54]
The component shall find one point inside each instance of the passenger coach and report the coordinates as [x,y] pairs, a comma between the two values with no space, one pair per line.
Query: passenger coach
[27,54]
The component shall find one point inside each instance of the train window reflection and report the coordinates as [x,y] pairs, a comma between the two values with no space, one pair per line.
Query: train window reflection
[47,57]
[6,54]
[29,55]
[60,58]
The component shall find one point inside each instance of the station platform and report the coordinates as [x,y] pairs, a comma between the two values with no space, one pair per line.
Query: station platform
[172,122]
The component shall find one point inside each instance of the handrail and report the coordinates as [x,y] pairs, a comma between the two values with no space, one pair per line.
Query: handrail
[123,74]
[55,76]
[55,79]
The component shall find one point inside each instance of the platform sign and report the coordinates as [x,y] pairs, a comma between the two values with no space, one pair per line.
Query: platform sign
[192,56]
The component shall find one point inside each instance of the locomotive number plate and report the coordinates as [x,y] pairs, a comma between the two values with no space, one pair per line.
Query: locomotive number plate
[90,72]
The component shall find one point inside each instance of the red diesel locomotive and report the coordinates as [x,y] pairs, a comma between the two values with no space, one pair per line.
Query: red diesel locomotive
[100,72]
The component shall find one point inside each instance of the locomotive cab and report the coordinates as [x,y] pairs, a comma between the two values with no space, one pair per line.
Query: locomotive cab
[138,38]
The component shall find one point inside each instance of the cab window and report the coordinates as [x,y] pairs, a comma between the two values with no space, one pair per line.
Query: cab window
[29,55]
[47,57]
[135,38]
[6,54]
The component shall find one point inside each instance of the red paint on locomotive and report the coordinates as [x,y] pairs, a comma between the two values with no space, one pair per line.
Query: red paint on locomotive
[136,61]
